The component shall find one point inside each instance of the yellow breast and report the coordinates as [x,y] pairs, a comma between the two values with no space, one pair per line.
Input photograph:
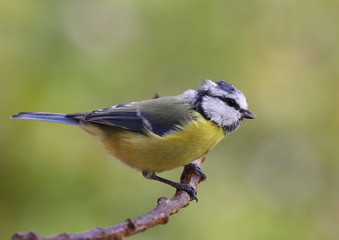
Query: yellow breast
[152,152]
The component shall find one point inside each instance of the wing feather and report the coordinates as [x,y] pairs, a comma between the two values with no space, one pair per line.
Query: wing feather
[160,115]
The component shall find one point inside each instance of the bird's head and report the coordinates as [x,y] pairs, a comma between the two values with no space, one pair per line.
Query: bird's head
[221,103]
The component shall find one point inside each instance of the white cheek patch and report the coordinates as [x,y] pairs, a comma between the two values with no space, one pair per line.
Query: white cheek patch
[219,112]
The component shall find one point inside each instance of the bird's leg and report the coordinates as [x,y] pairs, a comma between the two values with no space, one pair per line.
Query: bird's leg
[194,167]
[179,186]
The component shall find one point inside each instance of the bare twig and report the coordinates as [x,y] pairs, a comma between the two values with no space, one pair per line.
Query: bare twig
[159,215]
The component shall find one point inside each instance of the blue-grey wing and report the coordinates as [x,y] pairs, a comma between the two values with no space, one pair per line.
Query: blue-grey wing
[160,115]
[128,120]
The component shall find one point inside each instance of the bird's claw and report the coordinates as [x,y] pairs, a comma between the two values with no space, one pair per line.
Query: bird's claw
[189,189]
[194,167]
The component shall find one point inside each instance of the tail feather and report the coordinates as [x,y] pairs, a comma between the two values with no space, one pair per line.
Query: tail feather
[48,117]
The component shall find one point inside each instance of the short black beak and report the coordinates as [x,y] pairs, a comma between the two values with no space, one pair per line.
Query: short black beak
[248,114]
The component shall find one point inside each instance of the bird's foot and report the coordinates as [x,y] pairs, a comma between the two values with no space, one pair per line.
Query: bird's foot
[194,167]
[189,189]
[179,186]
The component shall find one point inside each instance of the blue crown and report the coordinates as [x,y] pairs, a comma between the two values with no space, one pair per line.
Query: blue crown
[227,87]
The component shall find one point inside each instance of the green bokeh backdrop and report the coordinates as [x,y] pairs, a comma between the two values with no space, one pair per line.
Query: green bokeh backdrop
[275,178]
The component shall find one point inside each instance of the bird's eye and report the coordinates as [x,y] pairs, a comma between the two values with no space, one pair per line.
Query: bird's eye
[231,102]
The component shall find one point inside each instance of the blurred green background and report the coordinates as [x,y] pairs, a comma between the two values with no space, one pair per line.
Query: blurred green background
[277,177]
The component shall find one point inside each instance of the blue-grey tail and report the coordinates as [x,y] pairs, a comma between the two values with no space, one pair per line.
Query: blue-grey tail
[48,117]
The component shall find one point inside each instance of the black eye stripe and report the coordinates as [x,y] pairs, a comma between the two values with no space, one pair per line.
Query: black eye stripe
[230,102]
[202,93]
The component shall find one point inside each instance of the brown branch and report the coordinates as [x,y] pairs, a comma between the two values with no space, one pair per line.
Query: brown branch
[159,215]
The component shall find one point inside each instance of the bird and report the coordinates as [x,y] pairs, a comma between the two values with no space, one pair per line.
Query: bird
[163,133]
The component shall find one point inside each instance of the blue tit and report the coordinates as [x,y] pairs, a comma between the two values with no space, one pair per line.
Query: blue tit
[164,133]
